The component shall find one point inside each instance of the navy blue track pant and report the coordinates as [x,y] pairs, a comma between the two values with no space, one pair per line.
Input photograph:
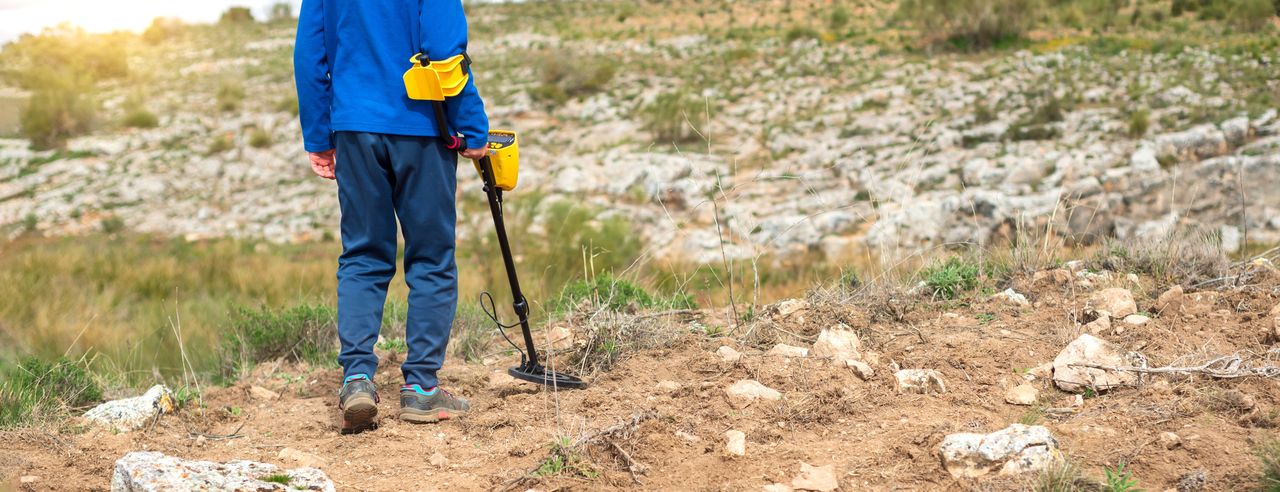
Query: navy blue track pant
[382,178]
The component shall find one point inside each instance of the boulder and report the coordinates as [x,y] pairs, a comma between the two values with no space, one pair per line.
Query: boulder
[1088,349]
[1014,449]
[838,343]
[735,443]
[920,381]
[149,471]
[1022,394]
[784,350]
[819,478]
[1170,302]
[1116,301]
[747,391]
[134,413]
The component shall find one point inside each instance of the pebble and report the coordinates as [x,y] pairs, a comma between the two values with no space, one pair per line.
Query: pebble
[29,479]
[1136,319]
[667,387]
[1170,440]
[735,443]
[1022,394]
[728,354]
[819,478]
[746,391]
[439,460]
[260,393]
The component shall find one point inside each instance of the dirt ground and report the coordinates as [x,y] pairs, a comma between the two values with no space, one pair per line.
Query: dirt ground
[876,438]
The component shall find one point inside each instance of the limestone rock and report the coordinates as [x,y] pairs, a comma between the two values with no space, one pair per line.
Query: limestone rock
[839,343]
[1022,394]
[1116,301]
[259,393]
[728,354]
[148,471]
[921,381]
[819,478]
[559,337]
[784,350]
[134,413]
[1100,325]
[862,369]
[689,438]
[1170,302]
[777,487]
[735,443]
[1013,297]
[28,479]
[667,387]
[788,307]
[1014,449]
[1057,276]
[744,392]
[1088,349]
[1136,320]
[1170,440]
[438,460]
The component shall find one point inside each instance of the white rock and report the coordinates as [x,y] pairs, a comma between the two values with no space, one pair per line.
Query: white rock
[839,343]
[132,413]
[777,487]
[784,350]
[862,369]
[1013,297]
[788,307]
[921,381]
[148,471]
[744,392]
[735,442]
[820,478]
[28,479]
[667,387]
[438,460]
[1136,320]
[1170,302]
[1100,325]
[690,438]
[1117,301]
[1022,394]
[728,354]
[1170,440]
[1014,449]
[1088,349]
[302,458]
[262,394]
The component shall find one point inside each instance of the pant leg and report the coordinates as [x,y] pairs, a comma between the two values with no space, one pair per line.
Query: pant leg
[368,262]
[426,183]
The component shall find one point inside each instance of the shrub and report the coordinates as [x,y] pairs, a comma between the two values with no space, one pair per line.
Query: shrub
[220,144]
[1268,454]
[472,333]
[35,388]
[564,76]
[839,18]
[796,33]
[140,118]
[972,24]
[674,117]
[1139,123]
[55,114]
[613,294]
[304,332]
[230,95]
[112,225]
[281,12]
[236,15]
[1251,15]
[288,105]
[162,29]
[260,138]
[951,278]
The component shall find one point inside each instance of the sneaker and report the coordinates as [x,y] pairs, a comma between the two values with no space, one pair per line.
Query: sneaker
[358,401]
[429,406]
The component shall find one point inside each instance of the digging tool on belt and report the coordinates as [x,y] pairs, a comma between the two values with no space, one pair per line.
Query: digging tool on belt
[434,81]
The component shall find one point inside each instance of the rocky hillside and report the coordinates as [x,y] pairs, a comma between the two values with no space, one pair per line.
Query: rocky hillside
[772,141]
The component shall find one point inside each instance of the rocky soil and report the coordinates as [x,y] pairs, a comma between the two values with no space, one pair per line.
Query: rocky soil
[823,393]
[837,147]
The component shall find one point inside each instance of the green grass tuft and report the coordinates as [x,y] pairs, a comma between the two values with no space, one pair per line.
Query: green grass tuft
[951,278]
[34,389]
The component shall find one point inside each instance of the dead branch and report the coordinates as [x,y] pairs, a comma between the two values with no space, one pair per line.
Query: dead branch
[1224,367]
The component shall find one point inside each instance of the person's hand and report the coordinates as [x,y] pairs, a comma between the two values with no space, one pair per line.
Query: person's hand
[322,163]
[475,154]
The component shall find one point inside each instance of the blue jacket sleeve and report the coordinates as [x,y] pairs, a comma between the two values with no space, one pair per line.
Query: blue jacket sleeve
[311,75]
[444,35]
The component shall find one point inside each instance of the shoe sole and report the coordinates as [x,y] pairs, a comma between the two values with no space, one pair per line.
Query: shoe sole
[360,413]
[429,416]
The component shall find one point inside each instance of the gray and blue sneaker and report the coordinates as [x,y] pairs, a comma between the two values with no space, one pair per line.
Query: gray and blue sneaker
[358,401]
[421,406]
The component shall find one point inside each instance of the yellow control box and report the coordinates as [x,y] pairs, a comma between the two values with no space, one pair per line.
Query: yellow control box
[504,156]
[435,80]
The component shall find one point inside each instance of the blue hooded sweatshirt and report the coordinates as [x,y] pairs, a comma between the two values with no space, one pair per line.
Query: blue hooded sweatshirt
[349,60]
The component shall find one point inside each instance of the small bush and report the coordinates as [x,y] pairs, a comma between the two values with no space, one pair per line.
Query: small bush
[260,138]
[1268,454]
[675,117]
[472,333]
[230,95]
[281,12]
[162,29]
[220,144]
[796,33]
[288,105]
[303,333]
[1064,477]
[1250,15]
[970,24]
[112,225]
[236,15]
[564,76]
[1139,123]
[611,294]
[55,114]
[35,388]
[839,18]
[1120,480]
[951,278]
[140,118]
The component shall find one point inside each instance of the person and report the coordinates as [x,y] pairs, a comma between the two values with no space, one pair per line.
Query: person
[390,161]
